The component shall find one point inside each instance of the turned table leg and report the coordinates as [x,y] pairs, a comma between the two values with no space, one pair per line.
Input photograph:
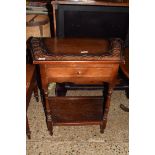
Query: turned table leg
[28,132]
[44,92]
[102,128]
[36,92]
[48,115]
[107,97]
[39,84]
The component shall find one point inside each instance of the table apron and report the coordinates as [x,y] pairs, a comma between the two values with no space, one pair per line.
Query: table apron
[81,74]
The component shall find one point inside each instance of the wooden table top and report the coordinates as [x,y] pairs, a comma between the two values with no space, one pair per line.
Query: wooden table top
[75,49]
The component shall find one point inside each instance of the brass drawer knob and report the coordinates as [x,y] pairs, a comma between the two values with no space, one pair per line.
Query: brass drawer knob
[79,72]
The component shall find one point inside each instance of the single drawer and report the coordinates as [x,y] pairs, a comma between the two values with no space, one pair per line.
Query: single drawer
[79,72]
[70,74]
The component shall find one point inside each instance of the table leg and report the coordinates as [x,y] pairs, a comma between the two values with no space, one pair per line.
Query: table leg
[44,92]
[48,115]
[36,92]
[28,133]
[39,85]
[107,97]
[101,128]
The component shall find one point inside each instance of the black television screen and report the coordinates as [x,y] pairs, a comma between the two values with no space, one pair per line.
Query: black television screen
[92,21]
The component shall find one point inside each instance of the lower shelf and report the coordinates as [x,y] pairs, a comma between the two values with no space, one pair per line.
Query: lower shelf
[76,110]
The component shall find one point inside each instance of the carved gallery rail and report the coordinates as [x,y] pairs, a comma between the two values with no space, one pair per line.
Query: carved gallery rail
[80,61]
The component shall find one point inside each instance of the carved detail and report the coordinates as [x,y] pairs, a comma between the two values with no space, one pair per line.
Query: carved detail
[40,53]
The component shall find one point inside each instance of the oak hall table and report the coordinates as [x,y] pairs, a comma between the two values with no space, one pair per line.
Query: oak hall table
[79,61]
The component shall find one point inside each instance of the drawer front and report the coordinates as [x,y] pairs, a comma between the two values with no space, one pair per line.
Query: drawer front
[79,74]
